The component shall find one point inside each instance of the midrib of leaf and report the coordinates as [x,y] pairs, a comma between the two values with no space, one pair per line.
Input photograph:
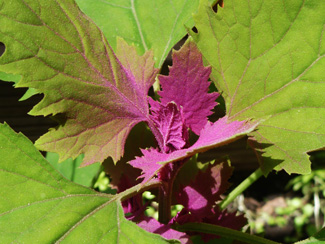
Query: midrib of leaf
[66,12]
[276,91]
[85,218]
[138,25]
[108,84]
[170,36]
[115,198]
[55,199]
[141,32]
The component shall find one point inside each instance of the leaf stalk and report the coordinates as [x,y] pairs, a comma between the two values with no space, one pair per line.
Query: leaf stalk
[240,188]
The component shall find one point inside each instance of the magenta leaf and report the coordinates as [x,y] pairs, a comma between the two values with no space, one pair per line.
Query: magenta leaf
[201,195]
[215,217]
[152,225]
[170,123]
[187,85]
[225,219]
[212,135]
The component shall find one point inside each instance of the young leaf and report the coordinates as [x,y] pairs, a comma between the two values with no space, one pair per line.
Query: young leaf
[68,59]
[38,205]
[139,22]
[212,135]
[169,120]
[267,59]
[189,76]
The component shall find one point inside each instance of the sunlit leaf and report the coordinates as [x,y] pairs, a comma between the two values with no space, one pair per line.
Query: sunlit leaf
[212,135]
[38,205]
[268,60]
[68,59]
[156,25]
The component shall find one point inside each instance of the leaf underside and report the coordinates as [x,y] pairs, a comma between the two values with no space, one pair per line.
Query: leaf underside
[268,61]
[212,135]
[99,97]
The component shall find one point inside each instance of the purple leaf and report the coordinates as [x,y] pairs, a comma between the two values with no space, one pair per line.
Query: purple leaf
[212,135]
[225,219]
[152,225]
[170,123]
[148,163]
[200,196]
[187,85]
[215,217]
[101,96]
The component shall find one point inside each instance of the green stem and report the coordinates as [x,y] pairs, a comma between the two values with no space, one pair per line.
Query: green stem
[224,232]
[135,190]
[241,187]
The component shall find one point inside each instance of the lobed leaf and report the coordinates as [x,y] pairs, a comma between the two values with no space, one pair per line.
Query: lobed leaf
[187,85]
[169,120]
[38,205]
[267,59]
[205,190]
[212,135]
[68,59]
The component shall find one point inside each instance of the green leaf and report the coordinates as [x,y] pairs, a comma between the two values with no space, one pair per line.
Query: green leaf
[38,205]
[268,61]
[16,78]
[9,77]
[318,238]
[156,25]
[67,58]
[71,169]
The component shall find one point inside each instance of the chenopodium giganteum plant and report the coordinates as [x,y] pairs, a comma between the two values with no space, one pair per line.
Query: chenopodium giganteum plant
[265,58]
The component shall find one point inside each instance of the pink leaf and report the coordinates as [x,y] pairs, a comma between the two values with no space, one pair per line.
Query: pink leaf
[212,135]
[200,196]
[152,225]
[187,85]
[170,123]
[214,217]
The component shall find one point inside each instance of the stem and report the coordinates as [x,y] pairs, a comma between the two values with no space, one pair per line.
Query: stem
[241,187]
[135,190]
[224,232]
[317,206]
[164,203]
[166,190]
